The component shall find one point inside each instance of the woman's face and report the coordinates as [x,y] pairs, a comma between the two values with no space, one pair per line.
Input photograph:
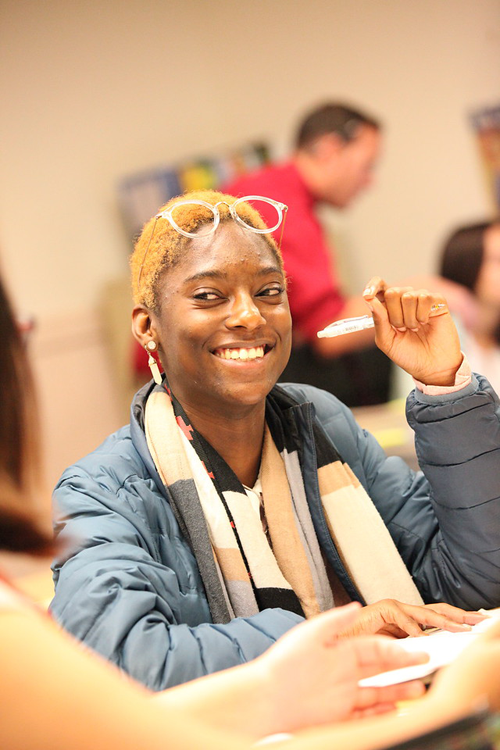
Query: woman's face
[224,327]
[487,286]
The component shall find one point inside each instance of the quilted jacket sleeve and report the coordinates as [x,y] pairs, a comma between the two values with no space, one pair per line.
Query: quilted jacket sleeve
[129,587]
[444,520]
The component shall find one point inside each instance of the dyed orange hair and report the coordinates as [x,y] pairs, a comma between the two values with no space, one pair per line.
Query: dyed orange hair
[166,244]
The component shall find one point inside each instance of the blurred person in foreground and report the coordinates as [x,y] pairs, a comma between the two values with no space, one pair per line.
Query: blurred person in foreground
[231,508]
[337,148]
[471,257]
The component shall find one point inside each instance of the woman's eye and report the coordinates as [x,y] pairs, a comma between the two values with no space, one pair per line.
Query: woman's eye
[206,296]
[272,291]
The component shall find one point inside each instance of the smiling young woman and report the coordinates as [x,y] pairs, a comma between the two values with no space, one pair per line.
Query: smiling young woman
[231,507]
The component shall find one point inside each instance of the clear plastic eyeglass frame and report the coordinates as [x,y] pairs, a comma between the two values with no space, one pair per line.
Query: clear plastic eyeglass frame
[281,210]
[214,208]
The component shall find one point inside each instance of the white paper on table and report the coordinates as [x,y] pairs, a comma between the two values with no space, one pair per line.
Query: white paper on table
[442,647]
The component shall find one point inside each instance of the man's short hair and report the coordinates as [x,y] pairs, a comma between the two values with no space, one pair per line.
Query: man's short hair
[332,118]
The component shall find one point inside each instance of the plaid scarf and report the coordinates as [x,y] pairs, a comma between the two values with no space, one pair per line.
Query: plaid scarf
[243,568]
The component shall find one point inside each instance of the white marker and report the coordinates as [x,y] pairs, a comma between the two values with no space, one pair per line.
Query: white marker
[351,325]
[348,325]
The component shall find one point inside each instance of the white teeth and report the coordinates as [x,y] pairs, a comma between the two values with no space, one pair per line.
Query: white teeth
[243,354]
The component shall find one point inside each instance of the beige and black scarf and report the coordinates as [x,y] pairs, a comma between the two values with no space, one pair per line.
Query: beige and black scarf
[246,568]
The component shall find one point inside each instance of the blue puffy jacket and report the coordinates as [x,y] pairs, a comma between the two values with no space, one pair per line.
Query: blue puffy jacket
[131,589]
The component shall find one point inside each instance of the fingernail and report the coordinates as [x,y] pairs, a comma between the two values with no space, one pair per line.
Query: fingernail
[369,291]
[413,329]
[400,329]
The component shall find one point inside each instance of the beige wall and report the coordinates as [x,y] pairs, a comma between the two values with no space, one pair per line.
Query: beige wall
[95,89]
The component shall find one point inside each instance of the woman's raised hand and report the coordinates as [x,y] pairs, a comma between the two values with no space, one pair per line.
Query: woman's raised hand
[312,674]
[415,329]
[393,618]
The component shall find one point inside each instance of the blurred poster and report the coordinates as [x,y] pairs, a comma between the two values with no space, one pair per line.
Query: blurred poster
[140,195]
[486,123]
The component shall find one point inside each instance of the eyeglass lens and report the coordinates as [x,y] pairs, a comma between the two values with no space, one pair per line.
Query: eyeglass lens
[269,212]
[181,217]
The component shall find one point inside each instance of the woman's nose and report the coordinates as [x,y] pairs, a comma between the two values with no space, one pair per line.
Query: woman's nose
[245,313]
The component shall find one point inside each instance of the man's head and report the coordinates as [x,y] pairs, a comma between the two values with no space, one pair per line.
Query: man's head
[337,148]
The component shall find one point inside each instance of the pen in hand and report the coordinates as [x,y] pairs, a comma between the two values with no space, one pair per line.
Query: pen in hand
[351,325]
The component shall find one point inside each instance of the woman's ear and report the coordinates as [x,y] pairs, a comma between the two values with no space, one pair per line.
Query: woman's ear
[143,327]
[144,330]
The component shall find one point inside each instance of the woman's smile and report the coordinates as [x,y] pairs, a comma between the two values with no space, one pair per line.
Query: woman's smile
[241,354]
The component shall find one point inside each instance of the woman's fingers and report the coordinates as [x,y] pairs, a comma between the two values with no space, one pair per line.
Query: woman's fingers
[458,615]
[412,619]
[407,308]
[443,616]
[409,303]
[391,617]
[396,309]
[386,617]
[430,618]
[425,302]
[447,618]
[375,287]
[406,617]
[406,624]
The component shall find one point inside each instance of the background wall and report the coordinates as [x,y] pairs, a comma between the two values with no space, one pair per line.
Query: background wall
[95,89]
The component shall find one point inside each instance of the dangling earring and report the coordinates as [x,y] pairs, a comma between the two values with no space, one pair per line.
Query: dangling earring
[153,364]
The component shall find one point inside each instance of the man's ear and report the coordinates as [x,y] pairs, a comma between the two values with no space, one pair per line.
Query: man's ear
[143,325]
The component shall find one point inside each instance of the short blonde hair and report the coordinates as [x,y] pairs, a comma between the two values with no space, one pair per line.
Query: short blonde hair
[166,245]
